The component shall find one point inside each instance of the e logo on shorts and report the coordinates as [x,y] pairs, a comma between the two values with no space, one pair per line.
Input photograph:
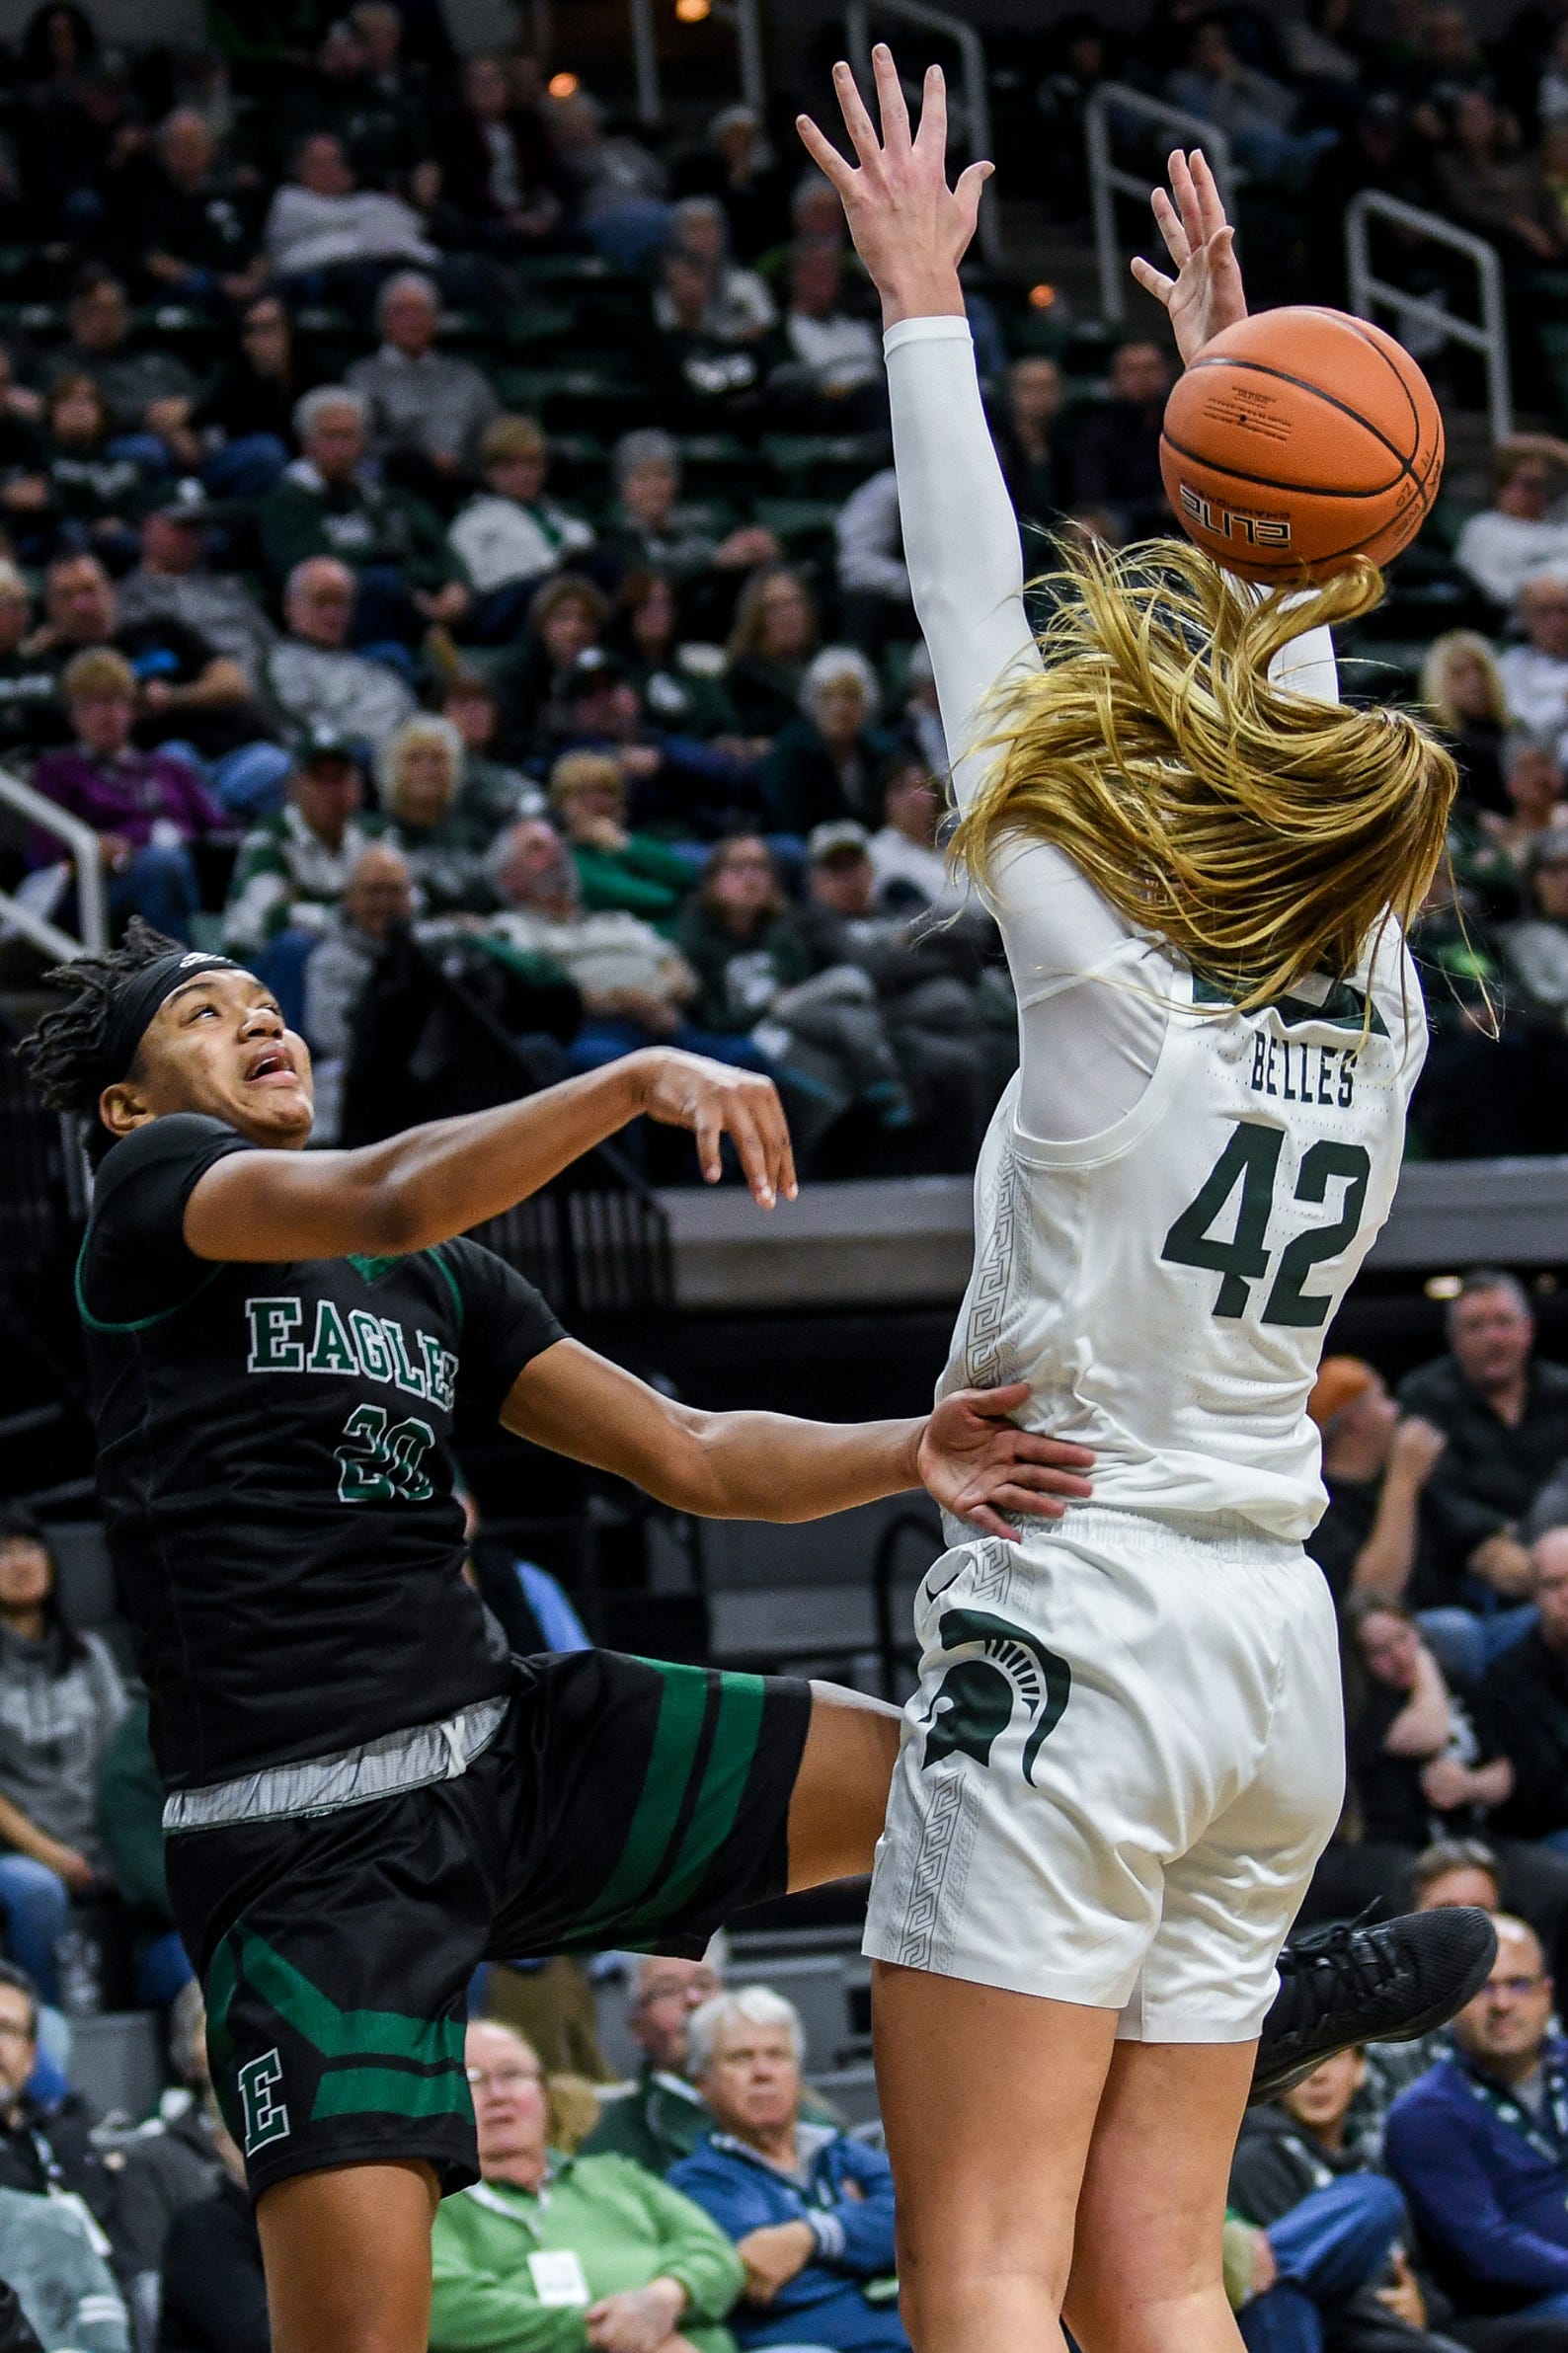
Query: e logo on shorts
[266,2118]
[975,1698]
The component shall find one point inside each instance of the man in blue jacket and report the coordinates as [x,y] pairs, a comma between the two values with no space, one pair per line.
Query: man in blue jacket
[1479,2146]
[810,2210]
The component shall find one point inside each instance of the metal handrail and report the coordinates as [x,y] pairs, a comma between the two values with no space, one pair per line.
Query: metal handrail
[976,112]
[1107,180]
[1490,338]
[742,14]
[87,856]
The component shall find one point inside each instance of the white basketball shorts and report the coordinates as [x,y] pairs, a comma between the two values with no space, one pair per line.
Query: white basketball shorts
[1124,1757]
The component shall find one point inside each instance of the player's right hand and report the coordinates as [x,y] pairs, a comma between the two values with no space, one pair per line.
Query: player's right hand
[712,1099]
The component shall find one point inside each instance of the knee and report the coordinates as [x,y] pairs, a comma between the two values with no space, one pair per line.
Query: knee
[25,1882]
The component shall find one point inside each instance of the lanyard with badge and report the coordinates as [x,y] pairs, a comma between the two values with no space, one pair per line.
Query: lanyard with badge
[1517,2118]
[556,2271]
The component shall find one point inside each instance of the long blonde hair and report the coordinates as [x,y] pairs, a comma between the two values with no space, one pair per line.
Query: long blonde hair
[1262,834]
[1438,694]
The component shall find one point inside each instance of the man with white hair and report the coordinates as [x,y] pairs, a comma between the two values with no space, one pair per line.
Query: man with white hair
[328,503]
[313,678]
[422,403]
[810,2210]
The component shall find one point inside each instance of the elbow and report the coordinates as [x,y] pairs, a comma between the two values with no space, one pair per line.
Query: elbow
[393,1219]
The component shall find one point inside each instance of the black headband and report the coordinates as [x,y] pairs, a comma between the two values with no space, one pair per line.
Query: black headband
[138,1001]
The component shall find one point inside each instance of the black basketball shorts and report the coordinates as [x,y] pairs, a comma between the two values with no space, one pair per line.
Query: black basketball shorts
[622,1803]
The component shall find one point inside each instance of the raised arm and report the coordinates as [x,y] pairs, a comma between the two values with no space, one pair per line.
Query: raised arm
[959,537]
[433,1182]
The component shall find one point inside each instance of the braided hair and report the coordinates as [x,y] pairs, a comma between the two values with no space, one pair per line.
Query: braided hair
[63,1055]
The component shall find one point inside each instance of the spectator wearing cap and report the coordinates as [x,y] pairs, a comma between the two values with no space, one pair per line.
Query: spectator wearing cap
[1503,1412]
[312,677]
[426,412]
[510,535]
[295,866]
[809,2209]
[1535,674]
[145,807]
[1518,534]
[1536,943]
[420,774]
[615,868]
[175,582]
[822,766]
[873,576]
[328,504]
[60,1698]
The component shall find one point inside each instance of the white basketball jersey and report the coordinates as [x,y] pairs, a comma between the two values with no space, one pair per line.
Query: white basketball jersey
[1164,1287]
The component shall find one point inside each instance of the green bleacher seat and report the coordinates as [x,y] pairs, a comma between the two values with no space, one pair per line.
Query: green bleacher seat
[529,323]
[823,465]
[795,520]
[564,269]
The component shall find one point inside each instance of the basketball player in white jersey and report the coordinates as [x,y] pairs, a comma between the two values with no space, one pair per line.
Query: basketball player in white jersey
[1126,1752]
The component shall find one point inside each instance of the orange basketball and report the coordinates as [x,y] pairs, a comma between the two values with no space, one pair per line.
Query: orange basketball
[1299,439]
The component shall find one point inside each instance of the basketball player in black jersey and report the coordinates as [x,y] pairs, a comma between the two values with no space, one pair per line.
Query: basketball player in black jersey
[366,1794]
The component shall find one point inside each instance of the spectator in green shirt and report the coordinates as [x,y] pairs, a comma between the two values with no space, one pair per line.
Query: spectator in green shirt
[553,2254]
[615,868]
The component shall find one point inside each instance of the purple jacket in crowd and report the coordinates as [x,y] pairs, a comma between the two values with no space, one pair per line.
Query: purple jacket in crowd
[125,795]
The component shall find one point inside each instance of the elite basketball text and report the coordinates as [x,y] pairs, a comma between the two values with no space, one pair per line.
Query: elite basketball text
[1228,523]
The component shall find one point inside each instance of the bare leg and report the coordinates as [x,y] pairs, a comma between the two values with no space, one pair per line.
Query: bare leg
[1145,2277]
[347,2260]
[988,2100]
[841,1789]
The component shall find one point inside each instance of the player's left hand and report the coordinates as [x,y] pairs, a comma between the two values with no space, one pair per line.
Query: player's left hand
[1206,295]
[984,1469]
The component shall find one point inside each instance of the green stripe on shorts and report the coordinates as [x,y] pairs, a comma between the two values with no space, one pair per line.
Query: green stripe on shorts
[681,1709]
[390,2092]
[724,1786]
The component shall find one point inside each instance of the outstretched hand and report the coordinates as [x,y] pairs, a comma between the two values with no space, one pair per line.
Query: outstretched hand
[713,1101]
[979,1466]
[1206,295]
[910,229]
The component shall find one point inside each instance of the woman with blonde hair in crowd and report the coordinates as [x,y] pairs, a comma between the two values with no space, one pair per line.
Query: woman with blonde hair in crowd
[1126,1752]
[615,868]
[1462,688]
[420,778]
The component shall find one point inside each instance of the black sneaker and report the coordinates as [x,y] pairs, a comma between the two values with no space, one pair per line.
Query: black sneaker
[1353,1984]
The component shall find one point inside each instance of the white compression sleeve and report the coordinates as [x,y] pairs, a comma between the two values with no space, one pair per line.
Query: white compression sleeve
[1093,993]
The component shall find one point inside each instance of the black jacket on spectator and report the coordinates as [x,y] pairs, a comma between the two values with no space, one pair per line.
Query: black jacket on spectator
[1441,1550]
[206,228]
[168,2165]
[1109,457]
[1522,1707]
[214,2297]
[1489,1472]
[52,2148]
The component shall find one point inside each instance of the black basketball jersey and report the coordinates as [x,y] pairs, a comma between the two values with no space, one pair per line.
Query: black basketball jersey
[274,1467]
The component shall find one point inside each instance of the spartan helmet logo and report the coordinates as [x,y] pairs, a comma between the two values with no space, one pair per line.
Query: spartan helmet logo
[975,1698]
